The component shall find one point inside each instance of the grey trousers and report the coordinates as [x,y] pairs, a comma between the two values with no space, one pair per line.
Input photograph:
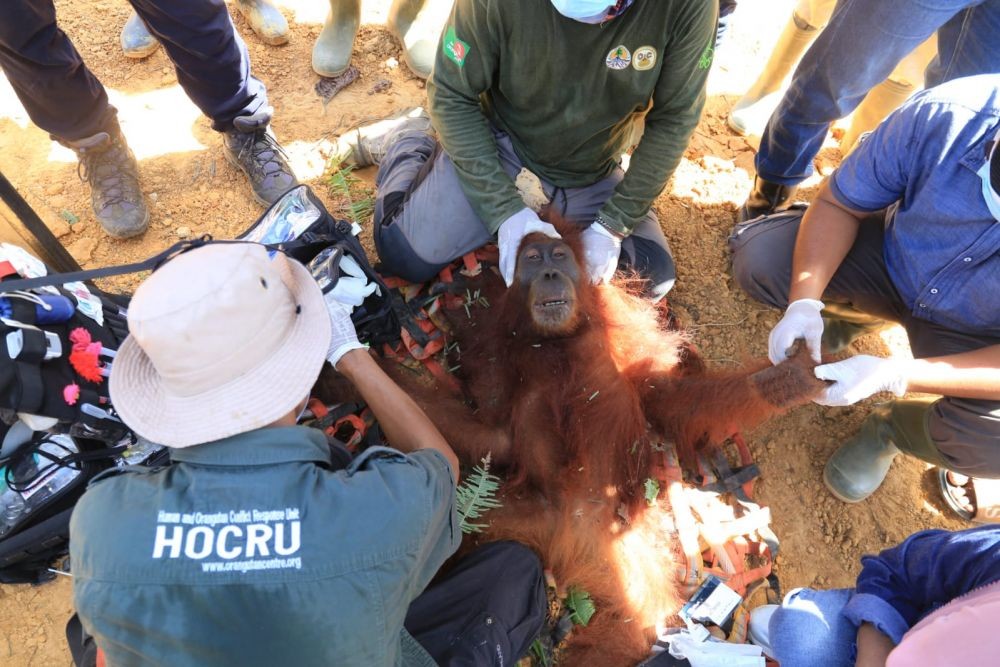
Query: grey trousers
[423,220]
[965,431]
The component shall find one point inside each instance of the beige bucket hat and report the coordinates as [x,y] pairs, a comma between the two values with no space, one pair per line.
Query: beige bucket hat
[223,339]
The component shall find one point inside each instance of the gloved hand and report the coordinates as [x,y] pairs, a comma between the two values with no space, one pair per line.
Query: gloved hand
[509,236]
[601,249]
[343,337]
[801,320]
[861,376]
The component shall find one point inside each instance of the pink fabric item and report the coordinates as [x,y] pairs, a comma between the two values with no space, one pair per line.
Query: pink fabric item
[961,633]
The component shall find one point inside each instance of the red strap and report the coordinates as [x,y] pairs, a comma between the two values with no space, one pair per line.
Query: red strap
[471,265]
[317,408]
[7,269]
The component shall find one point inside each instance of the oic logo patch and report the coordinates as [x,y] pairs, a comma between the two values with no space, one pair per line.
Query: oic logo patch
[618,57]
[644,58]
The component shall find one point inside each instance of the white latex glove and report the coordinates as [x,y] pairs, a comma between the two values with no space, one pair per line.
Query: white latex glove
[509,236]
[801,320]
[861,376]
[343,337]
[601,249]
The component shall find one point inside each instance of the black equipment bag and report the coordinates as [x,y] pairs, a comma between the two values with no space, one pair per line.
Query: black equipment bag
[300,226]
[44,368]
[43,479]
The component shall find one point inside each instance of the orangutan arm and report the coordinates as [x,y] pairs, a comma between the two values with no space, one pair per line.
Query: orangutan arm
[470,437]
[405,425]
[707,408]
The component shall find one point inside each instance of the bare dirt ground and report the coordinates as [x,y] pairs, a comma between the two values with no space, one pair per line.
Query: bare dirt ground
[193,190]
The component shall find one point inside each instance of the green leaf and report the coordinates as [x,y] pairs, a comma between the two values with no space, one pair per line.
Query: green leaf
[69,216]
[476,495]
[651,488]
[359,201]
[540,655]
[580,605]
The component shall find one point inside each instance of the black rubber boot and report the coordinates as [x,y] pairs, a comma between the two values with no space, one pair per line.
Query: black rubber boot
[766,198]
[842,324]
[859,467]
[250,146]
[108,165]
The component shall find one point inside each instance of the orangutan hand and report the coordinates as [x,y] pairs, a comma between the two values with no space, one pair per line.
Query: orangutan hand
[792,382]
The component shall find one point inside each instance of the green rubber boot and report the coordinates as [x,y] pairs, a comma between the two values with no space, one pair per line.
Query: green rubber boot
[859,467]
[265,20]
[136,40]
[842,324]
[332,51]
[417,24]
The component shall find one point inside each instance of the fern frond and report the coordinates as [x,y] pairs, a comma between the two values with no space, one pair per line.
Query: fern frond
[359,202]
[476,495]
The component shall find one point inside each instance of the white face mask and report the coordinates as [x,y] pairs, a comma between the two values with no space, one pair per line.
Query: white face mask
[584,11]
[990,195]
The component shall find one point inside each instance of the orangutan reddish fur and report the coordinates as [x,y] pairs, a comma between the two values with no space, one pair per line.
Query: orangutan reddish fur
[570,422]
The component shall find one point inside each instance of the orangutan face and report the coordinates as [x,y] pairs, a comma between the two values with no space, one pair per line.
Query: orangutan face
[548,273]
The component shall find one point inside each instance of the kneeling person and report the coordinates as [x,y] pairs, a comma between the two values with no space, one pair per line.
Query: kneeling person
[906,230]
[261,544]
[559,89]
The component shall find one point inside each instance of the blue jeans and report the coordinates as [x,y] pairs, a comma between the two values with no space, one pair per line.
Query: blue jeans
[66,100]
[857,50]
[809,630]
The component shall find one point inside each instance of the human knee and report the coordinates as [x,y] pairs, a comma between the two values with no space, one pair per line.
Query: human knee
[966,433]
[397,256]
[808,629]
[520,563]
[757,267]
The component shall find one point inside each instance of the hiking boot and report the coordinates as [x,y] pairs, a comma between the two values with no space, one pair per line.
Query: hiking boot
[135,38]
[366,145]
[265,20]
[250,146]
[107,164]
[859,467]
[417,24]
[766,198]
[331,54]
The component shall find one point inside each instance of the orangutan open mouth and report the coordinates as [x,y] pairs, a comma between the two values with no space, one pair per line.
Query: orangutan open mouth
[553,303]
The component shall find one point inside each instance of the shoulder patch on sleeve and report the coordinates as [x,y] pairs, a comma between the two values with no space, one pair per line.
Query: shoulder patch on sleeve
[454,48]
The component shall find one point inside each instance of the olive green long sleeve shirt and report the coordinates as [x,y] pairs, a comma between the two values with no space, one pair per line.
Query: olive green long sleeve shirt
[569,94]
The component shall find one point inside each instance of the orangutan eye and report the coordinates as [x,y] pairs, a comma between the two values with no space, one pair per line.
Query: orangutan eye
[533,255]
[559,254]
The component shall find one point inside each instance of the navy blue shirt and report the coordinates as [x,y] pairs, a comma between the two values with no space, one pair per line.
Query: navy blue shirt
[942,245]
[927,570]
[252,551]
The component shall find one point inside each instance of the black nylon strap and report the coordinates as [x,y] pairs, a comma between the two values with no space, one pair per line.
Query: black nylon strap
[151,264]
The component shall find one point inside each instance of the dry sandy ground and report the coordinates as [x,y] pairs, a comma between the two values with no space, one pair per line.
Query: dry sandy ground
[193,190]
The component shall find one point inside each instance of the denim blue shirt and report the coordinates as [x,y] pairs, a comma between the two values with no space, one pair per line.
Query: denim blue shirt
[942,246]
[927,570]
[251,551]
